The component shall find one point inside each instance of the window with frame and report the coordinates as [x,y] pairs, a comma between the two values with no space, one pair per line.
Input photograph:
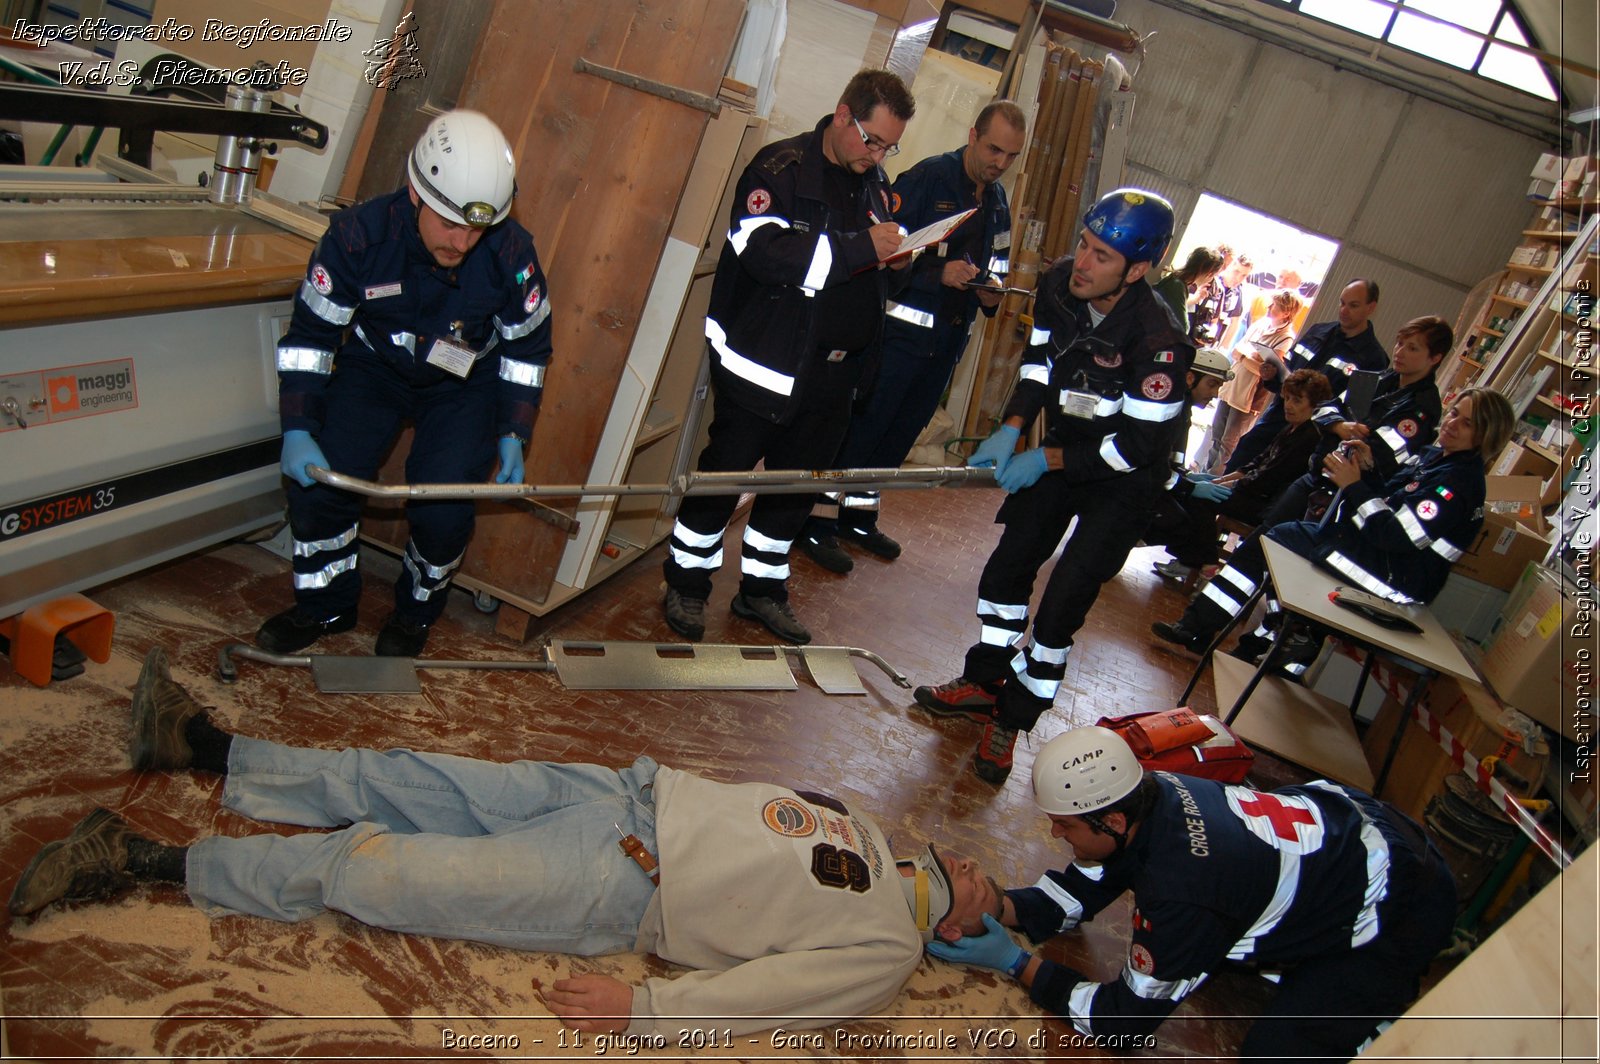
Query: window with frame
[1483,37]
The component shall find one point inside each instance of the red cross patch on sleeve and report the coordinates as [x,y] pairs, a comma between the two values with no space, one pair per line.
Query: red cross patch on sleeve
[532,301]
[320,279]
[758,201]
[1139,960]
[1427,509]
[1407,428]
[1157,386]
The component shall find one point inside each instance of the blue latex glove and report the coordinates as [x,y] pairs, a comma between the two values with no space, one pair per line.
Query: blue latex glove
[995,949]
[299,451]
[1200,478]
[1211,492]
[510,461]
[1023,471]
[997,449]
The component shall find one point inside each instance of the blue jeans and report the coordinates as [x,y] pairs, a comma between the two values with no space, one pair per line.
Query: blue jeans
[523,855]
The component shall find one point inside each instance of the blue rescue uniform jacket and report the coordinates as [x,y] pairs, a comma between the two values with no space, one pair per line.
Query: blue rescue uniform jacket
[1112,393]
[936,188]
[372,291]
[784,246]
[1225,873]
[1404,421]
[1399,539]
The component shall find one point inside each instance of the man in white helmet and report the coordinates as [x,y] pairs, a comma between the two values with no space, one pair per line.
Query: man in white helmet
[424,305]
[787,903]
[1337,891]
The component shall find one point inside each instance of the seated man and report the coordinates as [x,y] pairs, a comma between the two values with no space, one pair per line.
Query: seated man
[526,855]
[1341,893]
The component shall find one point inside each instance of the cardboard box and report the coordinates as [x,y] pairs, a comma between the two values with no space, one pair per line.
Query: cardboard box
[1514,533]
[1518,460]
[1541,191]
[1472,715]
[1544,646]
[1468,608]
[1550,167]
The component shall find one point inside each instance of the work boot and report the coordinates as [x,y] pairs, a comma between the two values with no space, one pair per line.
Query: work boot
[685,615]
[775,614]
[89,864]
[1301,651]
[1250,647]
[960,697]
[1173,573]
[826,552]
[1175,632]
[993,761]
[161,711]
[401,638]
[872,541]
[295,629]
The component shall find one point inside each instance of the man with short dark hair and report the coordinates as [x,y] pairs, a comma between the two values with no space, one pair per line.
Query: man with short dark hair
[1337,348]
[927,324]
[1340,893]
[1107,363]
[789,904]
[796,315]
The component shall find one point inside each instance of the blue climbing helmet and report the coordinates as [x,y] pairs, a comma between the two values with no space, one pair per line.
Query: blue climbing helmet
[1136,223]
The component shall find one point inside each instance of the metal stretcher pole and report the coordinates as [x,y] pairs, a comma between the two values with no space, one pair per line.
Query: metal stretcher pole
[773,481]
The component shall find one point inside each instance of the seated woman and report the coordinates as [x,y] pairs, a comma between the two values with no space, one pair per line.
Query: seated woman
[1188,529]
[1397,539]
[1256,377]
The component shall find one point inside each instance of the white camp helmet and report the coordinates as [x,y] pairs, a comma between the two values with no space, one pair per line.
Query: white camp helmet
[1083,770]
[1213,362]
[462,167]
[928,891]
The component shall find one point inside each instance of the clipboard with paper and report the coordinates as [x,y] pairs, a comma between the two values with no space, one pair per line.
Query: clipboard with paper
[932,233]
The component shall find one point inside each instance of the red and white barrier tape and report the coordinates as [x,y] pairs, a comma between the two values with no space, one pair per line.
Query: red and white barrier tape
[1477,771]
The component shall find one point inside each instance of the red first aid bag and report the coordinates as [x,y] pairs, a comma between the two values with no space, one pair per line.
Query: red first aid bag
[1183,741]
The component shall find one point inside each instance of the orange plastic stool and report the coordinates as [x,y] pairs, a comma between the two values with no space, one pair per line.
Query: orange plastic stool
[33,634]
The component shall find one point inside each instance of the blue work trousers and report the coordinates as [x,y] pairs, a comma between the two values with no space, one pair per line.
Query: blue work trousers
[914,371]
[453,444]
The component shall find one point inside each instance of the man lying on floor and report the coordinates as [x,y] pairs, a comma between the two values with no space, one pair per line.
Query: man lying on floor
[785,902]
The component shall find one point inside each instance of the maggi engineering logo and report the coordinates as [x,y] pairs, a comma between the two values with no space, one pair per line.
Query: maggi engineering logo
[96,388]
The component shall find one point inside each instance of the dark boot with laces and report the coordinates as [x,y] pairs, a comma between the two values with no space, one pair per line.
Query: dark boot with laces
[685,615]
[162,710]
[88,865]
[775,614]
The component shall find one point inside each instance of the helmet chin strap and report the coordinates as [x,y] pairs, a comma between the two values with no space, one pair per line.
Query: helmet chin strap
[1098,822]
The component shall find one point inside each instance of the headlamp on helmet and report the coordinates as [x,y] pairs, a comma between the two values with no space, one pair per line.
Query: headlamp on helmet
[462,167]
[1213,362]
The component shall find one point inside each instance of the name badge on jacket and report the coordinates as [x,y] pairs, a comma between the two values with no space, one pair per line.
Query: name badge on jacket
[452,357]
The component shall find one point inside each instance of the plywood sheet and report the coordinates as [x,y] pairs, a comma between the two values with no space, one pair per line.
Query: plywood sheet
[1295,723]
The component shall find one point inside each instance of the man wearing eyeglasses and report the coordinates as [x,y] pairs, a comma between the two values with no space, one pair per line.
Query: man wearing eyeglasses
[796,314]
[928,323]
[428,305]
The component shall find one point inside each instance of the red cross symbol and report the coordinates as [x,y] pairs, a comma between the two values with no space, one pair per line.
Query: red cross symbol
[1282,817]
[758,201]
